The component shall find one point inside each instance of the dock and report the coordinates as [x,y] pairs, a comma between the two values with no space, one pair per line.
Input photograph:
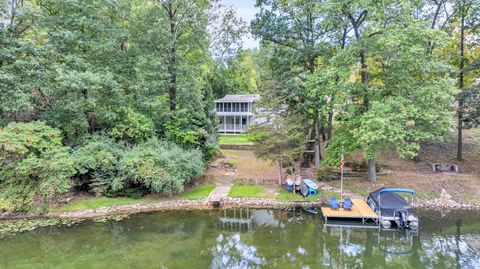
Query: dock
[360,211]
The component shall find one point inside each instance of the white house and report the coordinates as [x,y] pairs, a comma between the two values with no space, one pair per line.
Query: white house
[235,112]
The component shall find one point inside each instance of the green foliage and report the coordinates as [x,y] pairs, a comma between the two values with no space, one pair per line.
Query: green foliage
[158,167]
[34,162]
[96,163]
[179,130]
[132,126]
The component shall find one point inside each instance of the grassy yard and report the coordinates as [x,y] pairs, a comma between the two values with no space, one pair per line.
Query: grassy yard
[97,202]
[246,191]
[286,195]
[198,193]
[235,140]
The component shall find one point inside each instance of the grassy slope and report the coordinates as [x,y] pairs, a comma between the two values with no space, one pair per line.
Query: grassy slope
[97,202]
[235,140]
[246,191]
[198,193]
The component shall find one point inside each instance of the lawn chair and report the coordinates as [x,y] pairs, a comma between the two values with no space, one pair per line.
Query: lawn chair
[333,203]
[347,204]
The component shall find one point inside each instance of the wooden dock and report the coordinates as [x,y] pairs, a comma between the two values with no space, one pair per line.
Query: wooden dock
[360,211]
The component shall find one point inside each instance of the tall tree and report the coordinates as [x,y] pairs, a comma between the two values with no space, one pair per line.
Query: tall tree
[469,17]
[184,25]
[301,27]
[385,87]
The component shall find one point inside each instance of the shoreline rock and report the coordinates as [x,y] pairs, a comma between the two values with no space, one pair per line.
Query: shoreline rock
[207,204]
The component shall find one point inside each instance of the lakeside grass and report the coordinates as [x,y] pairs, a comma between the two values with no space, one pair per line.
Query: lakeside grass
[87,203]
[198,193]
[235,140]
[288,196]
[246,191]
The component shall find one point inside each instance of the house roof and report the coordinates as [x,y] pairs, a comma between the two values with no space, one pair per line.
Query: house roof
[242,98]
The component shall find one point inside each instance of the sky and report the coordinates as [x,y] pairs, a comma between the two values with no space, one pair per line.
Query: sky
[245,10]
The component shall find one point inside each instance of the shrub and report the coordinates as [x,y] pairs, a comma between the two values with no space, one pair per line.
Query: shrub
[133,126]
[158,166]
[96,163]
[33,161]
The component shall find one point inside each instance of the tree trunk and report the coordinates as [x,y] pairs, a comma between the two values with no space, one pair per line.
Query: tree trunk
[330,126]
[372,170]
[364,76]
[460,85]
[317,140]
[279,173]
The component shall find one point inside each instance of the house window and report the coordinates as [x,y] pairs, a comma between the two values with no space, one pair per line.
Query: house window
[244,120]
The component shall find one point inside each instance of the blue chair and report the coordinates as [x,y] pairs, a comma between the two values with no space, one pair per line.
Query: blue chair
[333,203]
[347,204]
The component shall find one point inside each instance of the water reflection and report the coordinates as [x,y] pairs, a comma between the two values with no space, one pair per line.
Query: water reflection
[302,241]
[231,252]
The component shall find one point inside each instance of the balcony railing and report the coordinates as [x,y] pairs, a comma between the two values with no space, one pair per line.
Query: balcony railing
[232,127]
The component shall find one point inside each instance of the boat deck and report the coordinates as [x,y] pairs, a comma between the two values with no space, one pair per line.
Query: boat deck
[360,211]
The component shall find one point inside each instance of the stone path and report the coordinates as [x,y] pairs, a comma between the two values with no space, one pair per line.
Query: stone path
[220,192]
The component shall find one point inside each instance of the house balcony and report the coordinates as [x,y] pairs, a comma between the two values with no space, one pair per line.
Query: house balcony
[232,128]
[237,113]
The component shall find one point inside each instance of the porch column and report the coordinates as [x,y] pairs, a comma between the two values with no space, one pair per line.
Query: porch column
[225,124]
[234,126]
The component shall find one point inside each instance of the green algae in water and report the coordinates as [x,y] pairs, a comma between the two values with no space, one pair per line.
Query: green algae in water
[23,225]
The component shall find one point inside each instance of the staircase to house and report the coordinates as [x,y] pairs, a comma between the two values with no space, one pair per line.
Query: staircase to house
[308,155]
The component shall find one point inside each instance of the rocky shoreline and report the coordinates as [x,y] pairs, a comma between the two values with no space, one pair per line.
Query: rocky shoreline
[207,204]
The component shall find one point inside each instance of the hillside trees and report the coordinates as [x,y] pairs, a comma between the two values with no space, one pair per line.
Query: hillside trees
[299,28]
[375,72]
[119,80]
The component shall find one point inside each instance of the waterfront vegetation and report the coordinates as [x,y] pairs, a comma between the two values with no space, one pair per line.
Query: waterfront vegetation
[115,98]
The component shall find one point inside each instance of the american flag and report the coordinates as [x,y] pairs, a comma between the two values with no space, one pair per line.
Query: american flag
[342,161]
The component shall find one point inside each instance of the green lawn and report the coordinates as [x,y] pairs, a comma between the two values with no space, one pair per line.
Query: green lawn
[97,202]
[235,140]
[198,193]
[246,191]
[286,195]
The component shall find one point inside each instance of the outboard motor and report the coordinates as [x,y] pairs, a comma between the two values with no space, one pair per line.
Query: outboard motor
[401,219]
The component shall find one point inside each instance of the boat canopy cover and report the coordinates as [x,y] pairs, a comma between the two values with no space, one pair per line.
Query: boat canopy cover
[390,201]
[383,190]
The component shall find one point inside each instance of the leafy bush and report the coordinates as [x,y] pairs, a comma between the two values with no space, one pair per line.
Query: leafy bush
[158,166]
[96,163]
[324,173]
[33,161]
[133,126]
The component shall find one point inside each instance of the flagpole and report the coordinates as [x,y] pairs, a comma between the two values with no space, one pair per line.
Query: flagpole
[341,178]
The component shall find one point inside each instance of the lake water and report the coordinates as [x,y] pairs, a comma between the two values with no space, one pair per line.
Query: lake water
[255,239]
